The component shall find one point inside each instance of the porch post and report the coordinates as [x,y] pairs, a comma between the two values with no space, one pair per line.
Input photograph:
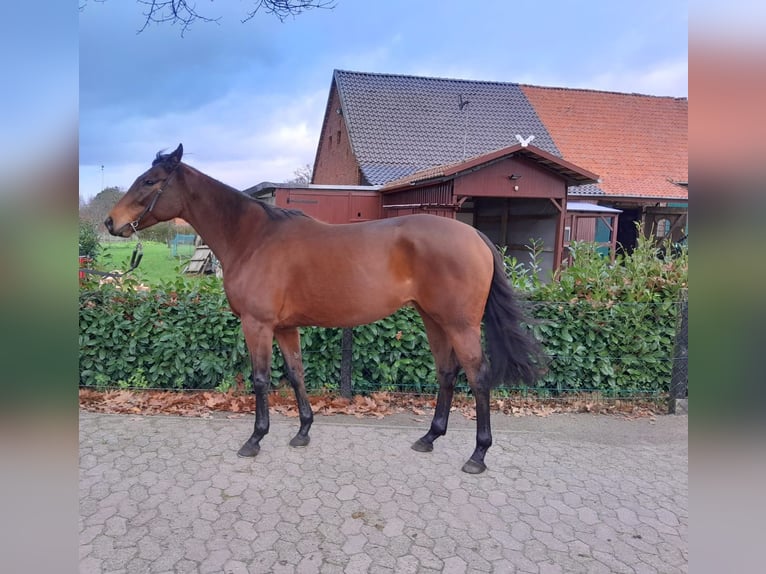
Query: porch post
[346,357]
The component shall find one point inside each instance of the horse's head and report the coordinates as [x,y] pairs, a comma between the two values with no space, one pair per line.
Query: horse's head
[153,197]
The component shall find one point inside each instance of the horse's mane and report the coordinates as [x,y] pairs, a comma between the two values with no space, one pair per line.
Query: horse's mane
[160,158]
[277,213]
[272,211]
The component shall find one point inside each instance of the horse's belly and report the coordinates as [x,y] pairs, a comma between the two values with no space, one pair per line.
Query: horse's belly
[344,308]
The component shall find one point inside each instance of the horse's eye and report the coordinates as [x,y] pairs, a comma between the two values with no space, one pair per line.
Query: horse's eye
[149,182]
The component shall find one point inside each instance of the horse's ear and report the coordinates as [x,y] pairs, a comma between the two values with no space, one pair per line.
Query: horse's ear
[176,156]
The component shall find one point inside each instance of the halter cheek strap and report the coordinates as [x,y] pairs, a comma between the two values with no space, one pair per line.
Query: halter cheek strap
[134,224]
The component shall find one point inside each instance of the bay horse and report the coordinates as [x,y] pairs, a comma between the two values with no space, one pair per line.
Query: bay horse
[284,270]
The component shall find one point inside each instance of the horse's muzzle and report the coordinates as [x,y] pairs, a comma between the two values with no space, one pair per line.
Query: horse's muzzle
[124,231]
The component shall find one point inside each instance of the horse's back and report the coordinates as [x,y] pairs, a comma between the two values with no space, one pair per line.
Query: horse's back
[419,249]
[445,242]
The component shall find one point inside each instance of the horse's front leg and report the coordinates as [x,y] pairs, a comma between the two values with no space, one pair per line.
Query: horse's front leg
[259,339]
[289,342]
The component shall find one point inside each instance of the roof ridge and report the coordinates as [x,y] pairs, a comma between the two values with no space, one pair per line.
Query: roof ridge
[497,82]
[598,91]
[417,77]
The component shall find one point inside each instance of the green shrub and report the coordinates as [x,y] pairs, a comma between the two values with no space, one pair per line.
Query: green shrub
[605,326]
[181,335]
[393,355]
[89,244]
[610,326]
[616,348]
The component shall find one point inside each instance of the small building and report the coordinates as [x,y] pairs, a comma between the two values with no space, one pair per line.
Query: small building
[328,203]
[593,223]
[382,128]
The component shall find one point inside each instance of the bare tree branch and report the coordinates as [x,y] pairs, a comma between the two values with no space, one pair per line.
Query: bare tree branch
[302,174]
[176,12]
[284,8]
[184,13]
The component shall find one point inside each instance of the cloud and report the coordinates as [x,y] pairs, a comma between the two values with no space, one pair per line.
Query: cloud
[158,69]
[666,78]
[240,139]
[247,100]
[376,58]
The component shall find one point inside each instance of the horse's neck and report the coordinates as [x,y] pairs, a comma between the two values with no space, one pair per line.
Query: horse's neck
[217,212]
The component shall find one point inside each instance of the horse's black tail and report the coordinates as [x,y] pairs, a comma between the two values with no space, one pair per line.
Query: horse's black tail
[514,354]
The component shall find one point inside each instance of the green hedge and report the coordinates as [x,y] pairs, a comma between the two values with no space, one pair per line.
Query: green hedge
[605,327]
[180,335]
[617,349]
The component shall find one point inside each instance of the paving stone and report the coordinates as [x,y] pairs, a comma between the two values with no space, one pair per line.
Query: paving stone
[455,565]
[565,494]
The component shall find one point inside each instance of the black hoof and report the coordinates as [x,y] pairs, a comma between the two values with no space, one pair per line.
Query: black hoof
[299,440]
[473,467]
[421,446]
[249,450]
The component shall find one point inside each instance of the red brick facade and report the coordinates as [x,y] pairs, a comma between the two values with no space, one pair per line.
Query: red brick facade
[335,163]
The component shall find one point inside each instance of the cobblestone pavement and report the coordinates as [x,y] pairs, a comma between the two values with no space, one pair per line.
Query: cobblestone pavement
[565,493]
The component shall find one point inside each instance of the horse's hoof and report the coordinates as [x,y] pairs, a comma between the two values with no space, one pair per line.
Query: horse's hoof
[421,446]
[249,450]
[299,440]
[473,467]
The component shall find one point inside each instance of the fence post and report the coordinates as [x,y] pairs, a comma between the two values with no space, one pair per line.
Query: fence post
[678,402]
[346,354]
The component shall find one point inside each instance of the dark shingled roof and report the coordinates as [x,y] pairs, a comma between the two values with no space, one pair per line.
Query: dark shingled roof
[399,125]
[376,173]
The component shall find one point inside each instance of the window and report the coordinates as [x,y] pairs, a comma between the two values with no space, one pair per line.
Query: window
[338,137]
[663,228]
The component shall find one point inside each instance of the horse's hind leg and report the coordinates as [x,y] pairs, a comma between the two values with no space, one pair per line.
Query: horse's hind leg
[290,344]
[447,369]
[468,350]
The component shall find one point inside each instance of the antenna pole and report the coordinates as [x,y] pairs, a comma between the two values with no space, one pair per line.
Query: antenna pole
[463,104]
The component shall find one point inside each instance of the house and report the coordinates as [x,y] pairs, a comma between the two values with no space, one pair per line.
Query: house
[382,128]
[637,144]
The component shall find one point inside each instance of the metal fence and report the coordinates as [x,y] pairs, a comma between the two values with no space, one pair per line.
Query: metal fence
[679,381]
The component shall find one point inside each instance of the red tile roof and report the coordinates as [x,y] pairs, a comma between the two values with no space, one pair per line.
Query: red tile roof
[637,144]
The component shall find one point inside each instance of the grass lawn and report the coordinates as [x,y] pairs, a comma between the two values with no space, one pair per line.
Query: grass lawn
[157,264]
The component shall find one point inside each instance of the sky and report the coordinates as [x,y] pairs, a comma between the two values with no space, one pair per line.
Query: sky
[247,99]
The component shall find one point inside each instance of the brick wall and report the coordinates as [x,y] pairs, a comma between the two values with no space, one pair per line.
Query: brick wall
[335,163]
